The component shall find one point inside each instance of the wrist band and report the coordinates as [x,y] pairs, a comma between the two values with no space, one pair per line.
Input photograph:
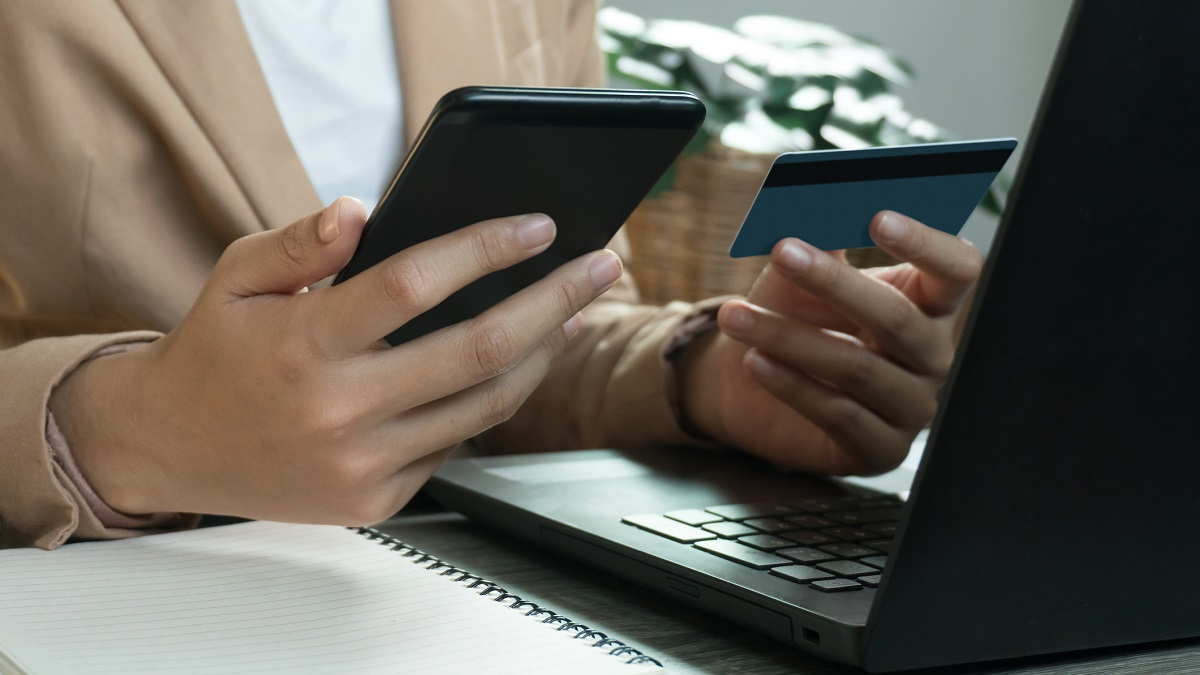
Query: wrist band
[700,322]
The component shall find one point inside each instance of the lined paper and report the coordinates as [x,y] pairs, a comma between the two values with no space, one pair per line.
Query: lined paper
[264,598]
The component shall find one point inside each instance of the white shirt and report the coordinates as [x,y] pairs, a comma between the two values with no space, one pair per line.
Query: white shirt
[331,68]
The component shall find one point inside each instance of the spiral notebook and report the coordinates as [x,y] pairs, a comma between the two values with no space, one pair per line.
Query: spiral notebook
[270,597]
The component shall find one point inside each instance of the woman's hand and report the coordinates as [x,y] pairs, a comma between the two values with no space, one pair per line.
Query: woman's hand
[272,402]
[830,369]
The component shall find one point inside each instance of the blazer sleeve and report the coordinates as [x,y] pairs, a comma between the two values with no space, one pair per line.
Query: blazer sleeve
[614,379]
[86,262]
[39,505]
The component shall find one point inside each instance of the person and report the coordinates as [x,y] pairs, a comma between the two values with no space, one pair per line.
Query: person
[169,350]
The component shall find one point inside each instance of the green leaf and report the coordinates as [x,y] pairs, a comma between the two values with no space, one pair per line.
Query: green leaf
[620,24]
[758,132]
[869,83]
[722,112]
[780,89]
[643,75]
[772,84]
[787,33]
[991,202]
[809,97]
[996,197]
[791,118]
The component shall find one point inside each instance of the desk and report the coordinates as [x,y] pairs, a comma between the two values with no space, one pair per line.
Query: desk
[684,639]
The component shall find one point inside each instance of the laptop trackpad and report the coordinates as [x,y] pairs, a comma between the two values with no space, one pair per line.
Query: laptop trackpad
[602,468]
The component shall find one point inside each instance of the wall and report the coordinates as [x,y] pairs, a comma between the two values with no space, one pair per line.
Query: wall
[980,64]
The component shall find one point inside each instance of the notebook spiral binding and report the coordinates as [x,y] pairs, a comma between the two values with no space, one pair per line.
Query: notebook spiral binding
[488,589]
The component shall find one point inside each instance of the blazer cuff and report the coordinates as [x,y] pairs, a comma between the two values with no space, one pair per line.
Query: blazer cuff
[39,504]
[107,515]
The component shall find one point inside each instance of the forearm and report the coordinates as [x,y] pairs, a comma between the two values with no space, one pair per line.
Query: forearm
[39,505]
[95,414]
[616,385]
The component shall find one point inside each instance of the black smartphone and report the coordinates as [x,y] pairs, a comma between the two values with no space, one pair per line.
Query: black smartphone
[585,157]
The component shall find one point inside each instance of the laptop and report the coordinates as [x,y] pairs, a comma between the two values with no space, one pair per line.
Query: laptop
[1056,505]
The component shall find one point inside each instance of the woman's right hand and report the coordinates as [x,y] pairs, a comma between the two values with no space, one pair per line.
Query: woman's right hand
[272,402]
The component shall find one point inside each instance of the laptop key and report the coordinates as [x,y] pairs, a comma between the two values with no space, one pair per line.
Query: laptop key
[844,550]
[879,561]
[848,533]
[744,511]
[882,545]
[885,503]
[847,568]
[671,529]
[805,555]
[823,505]
[836,585]
[802,574]
[807,538]
[769,524]
[766,542]
[731,550]
[694,517]
[729,530]
[883,529]
[867,516]
[810,522]
[871,581]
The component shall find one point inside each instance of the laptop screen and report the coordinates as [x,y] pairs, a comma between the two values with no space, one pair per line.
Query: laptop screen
[1057,502]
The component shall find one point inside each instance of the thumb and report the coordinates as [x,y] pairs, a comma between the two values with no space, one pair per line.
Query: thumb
[289,259]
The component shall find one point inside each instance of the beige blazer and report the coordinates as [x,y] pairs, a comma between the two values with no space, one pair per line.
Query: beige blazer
[138,139]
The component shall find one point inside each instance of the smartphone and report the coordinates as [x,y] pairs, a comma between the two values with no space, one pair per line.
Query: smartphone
[585,157]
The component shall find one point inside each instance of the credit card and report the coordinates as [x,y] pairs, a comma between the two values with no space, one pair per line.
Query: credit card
[828,197]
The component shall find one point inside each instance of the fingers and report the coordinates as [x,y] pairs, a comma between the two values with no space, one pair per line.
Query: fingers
[378,500]
[783,295]
[862,442]
[877,384]
[403,449]
[291,258]
[902,330]
[386,296]
[460,356]
[950,265]
[471,411]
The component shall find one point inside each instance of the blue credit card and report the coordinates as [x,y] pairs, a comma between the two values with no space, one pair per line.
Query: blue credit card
[828,197]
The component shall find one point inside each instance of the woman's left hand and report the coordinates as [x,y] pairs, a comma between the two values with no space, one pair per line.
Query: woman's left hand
[830,369]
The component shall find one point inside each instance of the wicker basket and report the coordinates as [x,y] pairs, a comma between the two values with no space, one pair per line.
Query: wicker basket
[681,238]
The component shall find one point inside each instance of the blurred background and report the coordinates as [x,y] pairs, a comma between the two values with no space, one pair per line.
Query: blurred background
[978,66]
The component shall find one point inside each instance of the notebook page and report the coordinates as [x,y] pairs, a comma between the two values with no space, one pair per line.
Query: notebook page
[264,598]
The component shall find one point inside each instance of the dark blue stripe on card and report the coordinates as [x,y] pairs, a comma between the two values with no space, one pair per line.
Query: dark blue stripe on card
[886,168]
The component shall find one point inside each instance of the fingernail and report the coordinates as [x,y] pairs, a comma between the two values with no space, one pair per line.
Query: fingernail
[328,226]
[535,230]
[795,257]
[571,327]
[891,228]
[759,364]
[739,319]
[605,269]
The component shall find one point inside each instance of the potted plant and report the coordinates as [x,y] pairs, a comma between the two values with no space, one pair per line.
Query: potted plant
[772,84]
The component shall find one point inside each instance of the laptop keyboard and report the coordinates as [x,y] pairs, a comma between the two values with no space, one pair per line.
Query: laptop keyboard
[832,545]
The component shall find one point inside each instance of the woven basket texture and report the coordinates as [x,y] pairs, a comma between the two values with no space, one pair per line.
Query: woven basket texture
[681,237]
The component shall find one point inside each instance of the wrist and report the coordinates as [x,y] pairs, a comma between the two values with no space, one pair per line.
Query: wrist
[97,413]
[699,404]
